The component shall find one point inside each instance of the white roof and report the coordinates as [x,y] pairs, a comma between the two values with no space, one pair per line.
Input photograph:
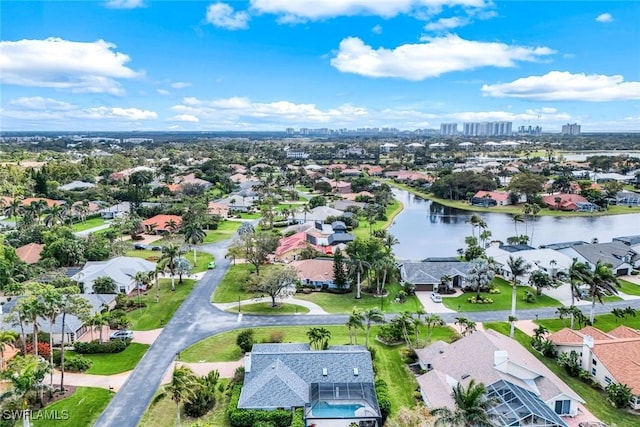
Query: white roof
[437,144]
[466,144]
[538,258]
[121,269]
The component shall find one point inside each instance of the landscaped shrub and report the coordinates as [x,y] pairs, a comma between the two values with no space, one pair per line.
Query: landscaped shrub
[529,297]
[570,363]
[96,346]
[204,396]
[252,417]
[494,290]
[44,349]
[118,320]
[619,394]
[276,336]
[384,402]
[77,363]
[298,418]
[245,340]
[480,300]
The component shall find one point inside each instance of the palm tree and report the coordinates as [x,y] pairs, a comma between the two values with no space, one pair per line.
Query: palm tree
[390,240]
[371,315]
[354,323]
[519,267]
[30,307]
[516,219]
[98,321]
[479,276]
[6,338]
[51,308]
[535,209]
[55,215]
[476,221]
[182,387]
[170,254]
[172,226]
[602,283]
[305,211]
[319,337]
[578,273]
[13,209]
[72,303]
[194,235]
[471,408]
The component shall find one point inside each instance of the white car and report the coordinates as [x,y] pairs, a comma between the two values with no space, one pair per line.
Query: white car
[436,297]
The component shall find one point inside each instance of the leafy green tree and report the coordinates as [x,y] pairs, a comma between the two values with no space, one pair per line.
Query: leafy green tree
[528,184]
[372,315]
[277,282]
[540,280]
[471,408]
[26,374]
[256,247]
[6,338]
[619,394]
[602,283]
[105,285]
[245,340]
[316,201]
[319,337]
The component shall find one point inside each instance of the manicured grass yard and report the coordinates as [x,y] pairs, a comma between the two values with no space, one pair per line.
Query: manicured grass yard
[501,301]
[364,228]
[162,411]
[114,363]
[401,382]
[83,406]
[203,258]
[596,401]
[230,289]
[224,231]
[629,288]
[604,322]
[90,223]
[149,317]
[265,308]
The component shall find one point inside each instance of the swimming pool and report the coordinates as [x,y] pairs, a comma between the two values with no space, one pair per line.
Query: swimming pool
[335,410]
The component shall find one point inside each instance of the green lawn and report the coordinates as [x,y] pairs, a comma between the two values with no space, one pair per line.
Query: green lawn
[364,228]
[90,223]
[149,317]
[83,408]
[162,411]
[501,301]
[390,367]
[596,401]
[203,258]
[604,322]
[265,308]
[114,363]
[255,215]
[224,231]
[335,303]
[629,288]
[230,290]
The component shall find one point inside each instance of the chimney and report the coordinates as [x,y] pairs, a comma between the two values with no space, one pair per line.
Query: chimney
[247,362]
[587,345]
[499,357]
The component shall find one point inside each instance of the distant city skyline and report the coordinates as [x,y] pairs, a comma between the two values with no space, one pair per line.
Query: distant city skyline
[268,65]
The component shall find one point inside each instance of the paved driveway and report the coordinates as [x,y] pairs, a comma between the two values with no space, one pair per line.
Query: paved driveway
[429,305]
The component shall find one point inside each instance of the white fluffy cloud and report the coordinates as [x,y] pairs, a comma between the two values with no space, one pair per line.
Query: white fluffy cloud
[124,4]
[180,85]
[40,103]
[430,58]
[120,113]
[604,18]
[184,118]
[447,23]
[565,86]
[62,64]
[311,10]
[163,91]
[222,15]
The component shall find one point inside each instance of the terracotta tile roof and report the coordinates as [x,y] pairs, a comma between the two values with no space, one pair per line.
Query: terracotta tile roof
[30,253]
[161,220]
[218,209]
[49,202]
[624,332]
[597,334]
[314,269]
[495,195]
[566,336]
[622,359]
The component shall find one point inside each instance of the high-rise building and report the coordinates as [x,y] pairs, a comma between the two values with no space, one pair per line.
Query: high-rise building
[487,128]
[530,130]
[571,129]
[449,129]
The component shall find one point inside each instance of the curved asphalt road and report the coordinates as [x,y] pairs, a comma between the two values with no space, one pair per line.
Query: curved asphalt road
[197,319]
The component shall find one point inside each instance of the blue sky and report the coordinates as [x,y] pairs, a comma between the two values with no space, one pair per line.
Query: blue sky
[273,64]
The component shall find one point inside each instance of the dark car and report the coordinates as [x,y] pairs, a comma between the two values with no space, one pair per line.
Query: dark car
[139,247]
[156,248]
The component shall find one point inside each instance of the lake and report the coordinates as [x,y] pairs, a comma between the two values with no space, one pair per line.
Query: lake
[429,229]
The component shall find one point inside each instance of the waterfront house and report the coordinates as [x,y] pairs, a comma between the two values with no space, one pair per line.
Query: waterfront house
[427,274]
[491,198]
[621,257]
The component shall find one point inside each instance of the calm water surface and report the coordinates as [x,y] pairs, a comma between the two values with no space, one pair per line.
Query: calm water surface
[428,229]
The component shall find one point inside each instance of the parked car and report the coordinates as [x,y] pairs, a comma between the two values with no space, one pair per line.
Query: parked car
[156,248]
[123,334]
[211,265]
[139,246]
[436,297]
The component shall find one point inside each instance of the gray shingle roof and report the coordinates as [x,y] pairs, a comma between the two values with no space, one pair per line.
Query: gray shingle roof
[430,272]
[279,375]
[611,253]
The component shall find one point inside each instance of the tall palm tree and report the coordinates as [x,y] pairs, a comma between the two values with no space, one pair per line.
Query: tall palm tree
[370,316]
[54,215]
[51,308]
[14,208]
[72,303]
[30,307]
[6,338]
[519,267]
[476,221]
[170,254]
[194,235]
[390,240]
[182,387]
[356,251]
[471,408]
[602,283]
[354,323]
[579,273]
[172,226]
[535,209]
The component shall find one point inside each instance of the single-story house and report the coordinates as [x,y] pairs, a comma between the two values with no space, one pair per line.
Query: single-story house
[334,386]
[427,274]
[121,269]
[569,202]
[159,224]
[76,186]
[214,208]
[289,248]
[523,390]
[608,357]
[328,234]
[548,260]
[74,328]
[115,211]
[491,198]
[49,202]
[621,257]
[239,202]
[30,253]
[319,213]
[343,205]
[317,272]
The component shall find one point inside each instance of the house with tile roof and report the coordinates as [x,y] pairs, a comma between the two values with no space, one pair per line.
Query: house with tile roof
[427,274]
[334,386]
[491,198]
[159,224]
[30,253]
[612,356]
[316,272]
[289,248]
[523,390]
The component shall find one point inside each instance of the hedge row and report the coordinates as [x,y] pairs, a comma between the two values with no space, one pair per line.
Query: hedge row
[254,417]
[96,346]
[382,391]
[298,418]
